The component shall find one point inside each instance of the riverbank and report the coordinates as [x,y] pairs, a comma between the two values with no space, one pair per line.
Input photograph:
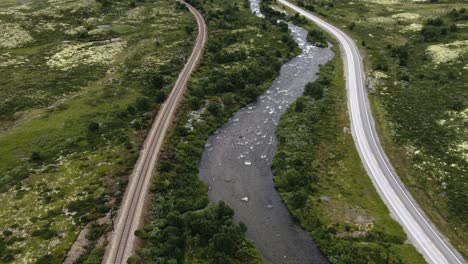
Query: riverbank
[329,190]
[415,56]
[236,163]
[244,55]
[324,185]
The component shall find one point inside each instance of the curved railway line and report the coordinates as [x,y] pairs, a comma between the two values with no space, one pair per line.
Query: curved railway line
[128,218]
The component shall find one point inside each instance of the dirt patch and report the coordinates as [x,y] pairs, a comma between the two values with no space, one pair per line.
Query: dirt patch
[82,243]
[79,247]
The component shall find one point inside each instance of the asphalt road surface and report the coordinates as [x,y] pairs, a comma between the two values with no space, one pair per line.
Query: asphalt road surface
[424,235]
[128,219]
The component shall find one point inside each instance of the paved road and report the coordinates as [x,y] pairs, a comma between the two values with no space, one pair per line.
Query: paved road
[420,230]
[128,219]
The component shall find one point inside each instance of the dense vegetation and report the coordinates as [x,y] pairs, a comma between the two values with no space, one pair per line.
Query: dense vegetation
[244,55]
[80,83]
[318,173]
[320,178]
[322,184]
[416,56]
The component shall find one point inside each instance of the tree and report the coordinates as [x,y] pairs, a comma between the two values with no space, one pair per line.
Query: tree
[402,53]
[36,156]
[300,105]
[157,81]
[223,211]
[435,22]
[105,3]
[317,38]
[453,28]
[298,199]
[181,131]
[242,227]
[160,96]
[131,110]
[224,242]
[142,104]
[93,127]
[214,108]
[189,29]
[429,33]
[314,90]
[132,260]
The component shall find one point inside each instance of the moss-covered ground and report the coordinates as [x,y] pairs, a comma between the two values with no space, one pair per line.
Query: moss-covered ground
[415,56]
[320,177]
[80,83]
[243,57]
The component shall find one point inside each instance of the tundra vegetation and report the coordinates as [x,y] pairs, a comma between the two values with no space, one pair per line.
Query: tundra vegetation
[323,185]
[243,56]
[320,178]
[415,54]
[81,82]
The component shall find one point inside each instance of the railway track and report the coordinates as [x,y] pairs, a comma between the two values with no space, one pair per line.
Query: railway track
[129,215]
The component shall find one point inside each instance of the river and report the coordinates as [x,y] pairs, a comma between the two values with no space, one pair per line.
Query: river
[236,162]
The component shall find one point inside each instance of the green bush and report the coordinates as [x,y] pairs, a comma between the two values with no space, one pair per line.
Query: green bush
[184,226]
[44,233]
[319,179]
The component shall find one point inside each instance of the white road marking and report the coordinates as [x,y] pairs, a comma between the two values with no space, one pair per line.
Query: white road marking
[428,240]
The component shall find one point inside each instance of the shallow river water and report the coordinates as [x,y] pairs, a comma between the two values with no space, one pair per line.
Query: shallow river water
[236,162]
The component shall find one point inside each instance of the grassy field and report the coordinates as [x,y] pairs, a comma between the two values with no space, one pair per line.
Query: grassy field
[318,174]
[415,55]
[8,3]
[80,83]
[321,180]
[243,56]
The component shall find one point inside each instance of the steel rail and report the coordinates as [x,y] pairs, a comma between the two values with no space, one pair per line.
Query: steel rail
[130,213]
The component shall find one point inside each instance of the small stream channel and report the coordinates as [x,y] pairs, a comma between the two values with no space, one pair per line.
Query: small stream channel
[236,162]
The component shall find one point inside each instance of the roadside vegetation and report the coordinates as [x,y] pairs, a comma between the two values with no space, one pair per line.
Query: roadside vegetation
[243,56]
[319,174]
[81,82]
[415,54]
[323,184]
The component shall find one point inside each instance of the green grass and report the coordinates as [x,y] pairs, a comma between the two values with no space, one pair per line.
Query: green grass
[243,56]
[319,175]
[8,3]
[86,145]
[408,254]
[122,29]
[419,106]
[342,209]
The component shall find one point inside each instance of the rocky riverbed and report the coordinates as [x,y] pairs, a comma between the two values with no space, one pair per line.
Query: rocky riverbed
[236,163]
